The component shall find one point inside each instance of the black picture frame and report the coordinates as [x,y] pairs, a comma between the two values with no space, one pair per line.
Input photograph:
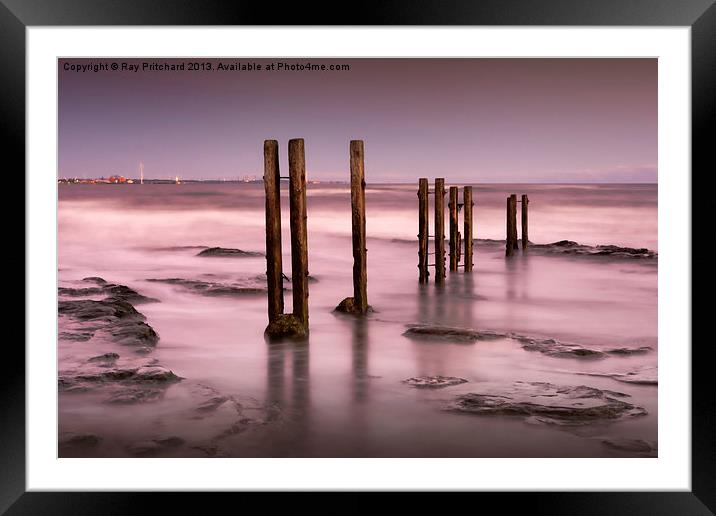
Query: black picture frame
[17,15]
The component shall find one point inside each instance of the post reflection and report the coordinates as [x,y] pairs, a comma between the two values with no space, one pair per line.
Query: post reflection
[293,405]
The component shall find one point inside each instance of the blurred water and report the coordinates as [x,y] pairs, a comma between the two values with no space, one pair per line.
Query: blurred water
[341,394]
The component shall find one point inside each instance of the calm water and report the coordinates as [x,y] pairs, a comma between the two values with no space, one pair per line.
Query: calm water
[341,393]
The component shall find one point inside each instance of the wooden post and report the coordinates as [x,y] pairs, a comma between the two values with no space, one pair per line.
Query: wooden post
[274,272]
[299,235]
[511,237]
[439,230]
[515,244]
[423,229]
[360,272]
[467,221]
[453,229]
[525,237]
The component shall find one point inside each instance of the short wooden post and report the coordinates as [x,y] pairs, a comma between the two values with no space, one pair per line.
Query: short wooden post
[299,234]
[360,272]
[274,272]
[525,237]
[511,237]
[454,259]
[467,222]
[439,230]
[423,229]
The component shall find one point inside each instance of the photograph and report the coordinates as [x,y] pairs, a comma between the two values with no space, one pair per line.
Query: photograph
[357,257]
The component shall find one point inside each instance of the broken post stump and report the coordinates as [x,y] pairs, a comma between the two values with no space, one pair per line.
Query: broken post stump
[423,230]
[454,253]
[439,230]
[467,230]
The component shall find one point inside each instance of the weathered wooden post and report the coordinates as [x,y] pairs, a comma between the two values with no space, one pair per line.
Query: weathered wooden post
[423,229]
[467,221]
[515,244]
[358,304]
[452,205]
[511,237]
[439,230]
[274,271]
[299,235]
[525,237]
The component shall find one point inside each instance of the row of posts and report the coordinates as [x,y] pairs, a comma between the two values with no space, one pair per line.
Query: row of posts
[296,323]
[511,244]
[455,237]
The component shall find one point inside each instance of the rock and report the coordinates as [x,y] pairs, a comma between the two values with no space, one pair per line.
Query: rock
[555,348]
[227,252]
[155,446]
[630,445]
[434,382]
[81,440]
[207,288]
[117,317]
[285,326]
[348,306]
[552,404]
[550,347]
[122,292]
[629,351]
[574,248]
[643,376]
[95,279]
[106,359]
[450,333]
[135,395]
[77,335]
[136,375]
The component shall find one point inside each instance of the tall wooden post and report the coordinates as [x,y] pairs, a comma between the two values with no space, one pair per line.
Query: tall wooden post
[515,244]
[360,272]
[423,229]
[525,237]
[299,235]
[439,230]
[467,221]
[511,237]
[454,259]
[274,272]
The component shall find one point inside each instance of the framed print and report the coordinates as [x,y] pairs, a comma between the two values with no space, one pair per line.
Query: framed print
[429,250]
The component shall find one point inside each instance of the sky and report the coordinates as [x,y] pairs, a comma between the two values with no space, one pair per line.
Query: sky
[468,120]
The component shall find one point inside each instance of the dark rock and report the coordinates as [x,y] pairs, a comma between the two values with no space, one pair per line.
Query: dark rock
[106,359]
[643,376]
[135,395]
[548,403]
[212,289]
[81,440]
[227,252]
[106,289]
[285,326]
[114,315]
[549,347]
[155,446]
[95,279]
[631,445]
[434,382]
[76,335]
[348,306]
[450,333]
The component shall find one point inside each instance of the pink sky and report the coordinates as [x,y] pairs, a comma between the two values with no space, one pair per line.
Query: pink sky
[472,120]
